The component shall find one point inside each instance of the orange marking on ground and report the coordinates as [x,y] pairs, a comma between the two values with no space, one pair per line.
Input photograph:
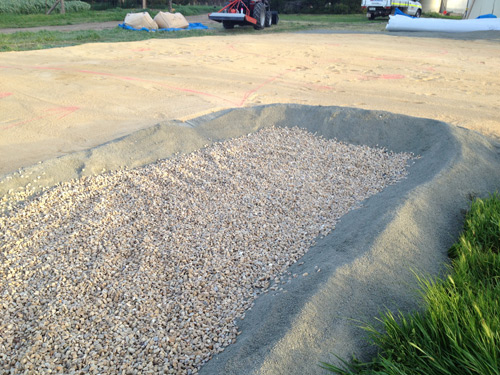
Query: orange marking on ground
[46,68]
[155,83]
[182,89]
[391,76]
[63,111]
[272,79]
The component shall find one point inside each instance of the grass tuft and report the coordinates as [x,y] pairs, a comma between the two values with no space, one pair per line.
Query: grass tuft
[458,331]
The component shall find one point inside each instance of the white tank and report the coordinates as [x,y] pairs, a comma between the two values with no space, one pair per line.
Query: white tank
[431,5]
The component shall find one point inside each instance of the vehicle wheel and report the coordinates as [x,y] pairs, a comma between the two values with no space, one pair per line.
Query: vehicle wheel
[227,25]
[418,14]
[274,17]
[259,13]
[269,19]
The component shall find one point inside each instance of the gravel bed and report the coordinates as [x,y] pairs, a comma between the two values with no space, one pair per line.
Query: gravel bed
[147,271]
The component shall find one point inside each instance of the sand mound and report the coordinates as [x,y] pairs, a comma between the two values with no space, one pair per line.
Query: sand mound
[366,263]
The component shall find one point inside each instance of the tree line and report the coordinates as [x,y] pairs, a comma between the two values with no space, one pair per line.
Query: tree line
[282,6]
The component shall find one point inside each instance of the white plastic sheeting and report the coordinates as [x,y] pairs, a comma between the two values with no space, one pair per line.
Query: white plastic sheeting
[405,23]
[167,20]
[140,20]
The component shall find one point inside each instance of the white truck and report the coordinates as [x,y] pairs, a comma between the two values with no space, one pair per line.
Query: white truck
[383,8]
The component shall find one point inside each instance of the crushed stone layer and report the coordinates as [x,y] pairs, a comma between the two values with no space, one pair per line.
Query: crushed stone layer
[147,271]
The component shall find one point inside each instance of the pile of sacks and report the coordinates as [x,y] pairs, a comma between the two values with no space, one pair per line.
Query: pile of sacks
[163,20]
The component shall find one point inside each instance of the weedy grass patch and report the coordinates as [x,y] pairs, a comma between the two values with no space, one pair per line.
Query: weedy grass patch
[21,41]
[39,6]
[458,331]
[12,19]
[25,41]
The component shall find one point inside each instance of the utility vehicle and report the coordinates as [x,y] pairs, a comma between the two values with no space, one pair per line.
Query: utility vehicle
[246,12]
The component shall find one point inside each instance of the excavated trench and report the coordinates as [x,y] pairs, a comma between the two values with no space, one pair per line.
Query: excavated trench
[353,273]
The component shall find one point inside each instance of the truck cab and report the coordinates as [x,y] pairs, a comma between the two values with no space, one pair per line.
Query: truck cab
[383,8]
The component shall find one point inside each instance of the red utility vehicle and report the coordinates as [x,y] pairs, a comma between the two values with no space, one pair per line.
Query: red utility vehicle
[246,12]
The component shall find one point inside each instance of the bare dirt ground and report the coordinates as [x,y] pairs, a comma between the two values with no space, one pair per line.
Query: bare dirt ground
[82,26]
[57,101]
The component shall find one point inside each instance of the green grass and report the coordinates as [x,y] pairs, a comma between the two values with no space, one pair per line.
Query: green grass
[458,332]
[57,19]
[39,6]
[25,41]
[324,18]
[347,18]
[21,41]
[193,10]
[118,14]
[439,15]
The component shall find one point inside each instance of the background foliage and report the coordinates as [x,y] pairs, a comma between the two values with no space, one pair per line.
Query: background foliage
[282,6]
[39,6]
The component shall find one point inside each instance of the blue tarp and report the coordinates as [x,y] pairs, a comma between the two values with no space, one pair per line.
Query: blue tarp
[192,26]
[401,13]
[487,16]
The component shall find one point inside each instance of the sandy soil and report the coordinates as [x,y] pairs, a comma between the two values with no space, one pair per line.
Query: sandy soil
[84,26]
[167,96]
[54,102]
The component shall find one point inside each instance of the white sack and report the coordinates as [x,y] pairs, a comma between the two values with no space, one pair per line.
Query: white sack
[166,20]
[404,23]
[140,20]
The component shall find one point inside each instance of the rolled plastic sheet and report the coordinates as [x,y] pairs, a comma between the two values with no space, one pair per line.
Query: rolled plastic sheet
[404,23]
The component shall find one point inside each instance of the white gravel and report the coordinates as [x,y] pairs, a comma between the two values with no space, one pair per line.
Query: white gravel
[146,271]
